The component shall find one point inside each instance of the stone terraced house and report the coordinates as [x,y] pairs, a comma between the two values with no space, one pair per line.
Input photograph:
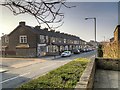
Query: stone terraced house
[27,41]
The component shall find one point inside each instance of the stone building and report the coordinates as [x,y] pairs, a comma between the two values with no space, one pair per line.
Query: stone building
[28,41]
[112,48]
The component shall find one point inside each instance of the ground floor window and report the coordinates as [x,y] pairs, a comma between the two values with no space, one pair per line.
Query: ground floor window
[61,48]
[52,48]
[41,50]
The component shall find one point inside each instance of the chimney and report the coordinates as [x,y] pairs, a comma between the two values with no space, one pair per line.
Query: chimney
[62,33]
[57,31]
[37,27]
[22,23]
[46,29]
[52,30]
[65,33]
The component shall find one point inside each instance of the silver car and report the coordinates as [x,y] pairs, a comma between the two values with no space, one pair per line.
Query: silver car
[66,54]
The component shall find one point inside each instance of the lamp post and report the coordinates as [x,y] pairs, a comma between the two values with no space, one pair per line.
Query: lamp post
[94,25]
[95,31]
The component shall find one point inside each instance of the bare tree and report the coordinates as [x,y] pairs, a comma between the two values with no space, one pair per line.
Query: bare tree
[45,11]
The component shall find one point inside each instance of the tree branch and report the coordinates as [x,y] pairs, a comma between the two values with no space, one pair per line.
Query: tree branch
[44,11]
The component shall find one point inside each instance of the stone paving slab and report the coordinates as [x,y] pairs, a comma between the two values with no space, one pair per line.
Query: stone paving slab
[19,65]
[107,79]
[19,62]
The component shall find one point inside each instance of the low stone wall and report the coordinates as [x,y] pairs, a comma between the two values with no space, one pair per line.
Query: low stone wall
[108,63]
[87,79]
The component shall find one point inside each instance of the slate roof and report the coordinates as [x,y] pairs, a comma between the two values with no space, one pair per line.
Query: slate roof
[52,33]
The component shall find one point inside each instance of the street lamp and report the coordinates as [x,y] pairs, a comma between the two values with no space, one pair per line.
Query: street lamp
[94,25]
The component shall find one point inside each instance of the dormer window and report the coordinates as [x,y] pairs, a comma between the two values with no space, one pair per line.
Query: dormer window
[23,39]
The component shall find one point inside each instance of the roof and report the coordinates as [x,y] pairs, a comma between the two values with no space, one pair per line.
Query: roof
[52,33]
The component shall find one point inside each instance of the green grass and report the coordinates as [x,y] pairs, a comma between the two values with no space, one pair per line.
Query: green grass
[65,76]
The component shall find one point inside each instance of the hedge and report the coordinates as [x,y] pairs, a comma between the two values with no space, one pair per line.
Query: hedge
[65,76]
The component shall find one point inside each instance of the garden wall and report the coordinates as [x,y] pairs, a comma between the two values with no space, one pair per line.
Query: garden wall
[87,79]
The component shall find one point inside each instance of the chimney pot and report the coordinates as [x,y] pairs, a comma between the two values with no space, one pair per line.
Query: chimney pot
[52,30]
[57,31]
[22,23]
[37,27]
[46,29]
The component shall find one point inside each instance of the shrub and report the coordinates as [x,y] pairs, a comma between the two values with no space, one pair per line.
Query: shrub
[100,51]
[65,76]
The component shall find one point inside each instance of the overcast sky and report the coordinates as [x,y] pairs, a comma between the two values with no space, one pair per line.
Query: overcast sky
[74,21]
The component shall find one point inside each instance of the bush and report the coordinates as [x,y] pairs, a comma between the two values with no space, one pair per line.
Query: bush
[65,76]
[100,51]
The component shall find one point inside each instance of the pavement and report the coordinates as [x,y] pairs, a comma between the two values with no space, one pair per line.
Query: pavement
[107,79]
[18,62]
[19,65]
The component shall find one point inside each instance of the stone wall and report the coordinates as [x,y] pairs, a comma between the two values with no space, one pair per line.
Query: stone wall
[87,79]
[112,49]
[108,64]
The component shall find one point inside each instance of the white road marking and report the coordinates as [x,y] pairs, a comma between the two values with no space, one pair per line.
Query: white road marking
[47,66]
[14,77]
[23,74]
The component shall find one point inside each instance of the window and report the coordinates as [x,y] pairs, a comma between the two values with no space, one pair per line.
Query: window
[64,40]
[52,39]
[76,42]
[23,39]
[42,38]
[6,40]
[47,39]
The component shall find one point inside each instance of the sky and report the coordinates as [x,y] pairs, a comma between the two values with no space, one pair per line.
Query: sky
[106,14]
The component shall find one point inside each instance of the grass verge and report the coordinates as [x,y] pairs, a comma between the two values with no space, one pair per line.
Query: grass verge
[65,76]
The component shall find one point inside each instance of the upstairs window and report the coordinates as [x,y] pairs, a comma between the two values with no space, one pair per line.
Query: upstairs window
[23,39]
[42,39]
[64,40]
[47,39]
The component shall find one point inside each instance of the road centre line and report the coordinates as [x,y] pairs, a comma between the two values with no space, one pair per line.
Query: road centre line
[14,77]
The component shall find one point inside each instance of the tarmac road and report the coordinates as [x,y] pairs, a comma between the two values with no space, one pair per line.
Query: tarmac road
[16,76]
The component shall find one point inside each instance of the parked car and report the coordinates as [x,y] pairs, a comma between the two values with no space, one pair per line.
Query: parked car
[81,50]
[66,54]
[76,51]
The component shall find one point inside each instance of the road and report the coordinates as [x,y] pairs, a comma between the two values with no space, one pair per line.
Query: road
[16,76]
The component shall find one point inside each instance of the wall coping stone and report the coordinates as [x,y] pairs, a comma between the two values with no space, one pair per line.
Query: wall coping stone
[86,77]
